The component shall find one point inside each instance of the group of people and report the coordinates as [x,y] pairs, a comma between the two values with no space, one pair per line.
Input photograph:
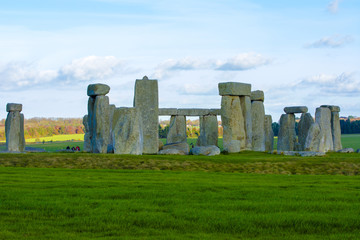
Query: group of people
[77,148]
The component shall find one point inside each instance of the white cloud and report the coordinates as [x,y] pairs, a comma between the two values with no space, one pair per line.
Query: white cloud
[333,6]
[330,42]
[241,62]
[17,75]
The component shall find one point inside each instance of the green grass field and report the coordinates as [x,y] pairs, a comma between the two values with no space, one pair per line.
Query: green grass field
[124,204]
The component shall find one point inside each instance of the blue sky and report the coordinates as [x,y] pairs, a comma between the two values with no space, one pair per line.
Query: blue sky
[297,52]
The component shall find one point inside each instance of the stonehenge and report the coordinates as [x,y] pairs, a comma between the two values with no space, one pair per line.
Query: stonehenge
[14,128]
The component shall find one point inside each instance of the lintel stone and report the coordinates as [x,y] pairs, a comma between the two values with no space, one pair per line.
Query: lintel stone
[296,109]
[167,111]
[332,108]
[197,112]
[13,107]
[234,89]
[97,89]
[257,95]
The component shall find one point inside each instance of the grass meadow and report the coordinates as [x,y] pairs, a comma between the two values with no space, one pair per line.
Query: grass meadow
[249,195]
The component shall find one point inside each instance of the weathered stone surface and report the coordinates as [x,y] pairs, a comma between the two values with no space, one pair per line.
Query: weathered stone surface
[336,130]
[257,95]
[13,107]
[176,149]
[304,125]
[100,138]
[234,89]
[87,140]
[177,130]
[97,89]
[332,108]
[258,123]
[206,150]
[245,103]
[346,150]
[146,100]
[168,111]
[319,138]
[287,133]
[127,131]
[296,109]
[91,122]
[161,145]
[34,150]
[14,132]
[269,134]
[232,120]
[208,131]
[112,108]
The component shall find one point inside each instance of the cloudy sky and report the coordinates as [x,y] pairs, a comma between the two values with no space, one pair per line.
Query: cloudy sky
[298,52]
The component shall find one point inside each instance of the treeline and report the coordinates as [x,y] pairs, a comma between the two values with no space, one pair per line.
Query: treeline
[348,126]
[46,127]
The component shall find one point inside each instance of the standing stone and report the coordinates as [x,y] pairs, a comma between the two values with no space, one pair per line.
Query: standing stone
[233,124]
[112,108]
[319,138]
[127,131]
[91,126]
[258,123]
[14,128]
[146,100]
[335,126]
[287,133]
[304,125]
[101,129]
[246,110]
[269,134]
[208,131]
[87,140]
[177,130]
[336,131]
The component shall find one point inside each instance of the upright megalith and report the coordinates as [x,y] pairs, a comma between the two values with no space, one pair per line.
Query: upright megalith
[146,100]
[14,128]
[269,133]
[208,131]
[335,126]
[112,108]
[87,139]
[177,129]
[127,131]
[235,120]
[287,133]
[98,117]
[319,138]
[306,120]
[258,120]
[233,124]
[245,102]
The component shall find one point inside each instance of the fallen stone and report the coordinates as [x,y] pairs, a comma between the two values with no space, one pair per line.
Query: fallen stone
[234,89]
[176,148]
[296,109]
[269,134]
[161,145]
[302,153]
[332,108]
[177,130]
[304,125]
[257,95]
[127,131]
[208,131]
[147,101]
[206,150]
[32,149]
[245,102]
[13,107]
[234,138]
[287,133]
[346,150]
[258,124]
[97,89]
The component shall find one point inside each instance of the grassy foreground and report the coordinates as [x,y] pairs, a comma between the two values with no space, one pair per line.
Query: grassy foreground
[113,204]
